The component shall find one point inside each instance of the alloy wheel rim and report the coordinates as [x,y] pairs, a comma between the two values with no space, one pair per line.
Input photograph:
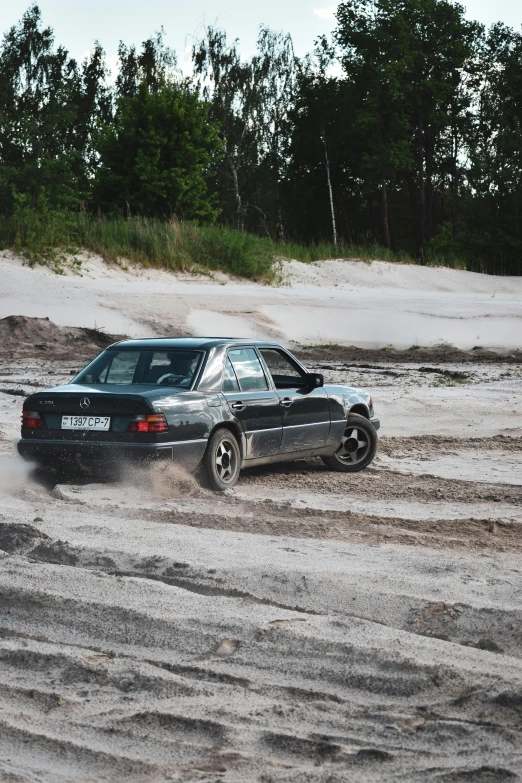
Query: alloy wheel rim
[355,445]
[226,461]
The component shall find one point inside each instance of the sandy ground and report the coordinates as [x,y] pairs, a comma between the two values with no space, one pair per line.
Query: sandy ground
[306,626]
[346,302]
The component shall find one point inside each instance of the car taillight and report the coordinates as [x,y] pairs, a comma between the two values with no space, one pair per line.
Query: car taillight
[31,420]
[371,404]
[155,422]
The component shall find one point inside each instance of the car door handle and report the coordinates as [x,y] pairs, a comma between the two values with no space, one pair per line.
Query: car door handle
[238,406]
[286,402]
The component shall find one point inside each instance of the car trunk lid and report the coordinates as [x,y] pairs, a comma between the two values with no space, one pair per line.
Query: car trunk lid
[88,404]
[53,405]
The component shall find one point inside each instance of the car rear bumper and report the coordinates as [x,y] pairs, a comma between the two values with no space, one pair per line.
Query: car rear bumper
[376,423]
[52,452]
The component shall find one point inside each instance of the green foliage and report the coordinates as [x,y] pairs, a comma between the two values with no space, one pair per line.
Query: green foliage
[48,108]
[406,64]
[154,67]
[491,210]
[155,153]
[42,235]
[413,154]
[228,86]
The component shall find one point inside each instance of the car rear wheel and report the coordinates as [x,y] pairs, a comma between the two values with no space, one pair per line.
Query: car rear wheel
[358,446]
[222,461]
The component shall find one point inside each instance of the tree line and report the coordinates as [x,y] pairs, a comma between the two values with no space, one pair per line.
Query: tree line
[402,129]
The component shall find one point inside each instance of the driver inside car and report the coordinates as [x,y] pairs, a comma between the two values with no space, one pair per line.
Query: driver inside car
[178,372]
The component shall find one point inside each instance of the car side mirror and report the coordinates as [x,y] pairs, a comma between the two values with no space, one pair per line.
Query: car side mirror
[315,380]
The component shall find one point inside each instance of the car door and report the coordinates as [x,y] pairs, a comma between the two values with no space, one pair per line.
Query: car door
[252,401]
[306,412]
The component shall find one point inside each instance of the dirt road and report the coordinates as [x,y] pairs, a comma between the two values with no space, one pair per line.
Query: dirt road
[307,626]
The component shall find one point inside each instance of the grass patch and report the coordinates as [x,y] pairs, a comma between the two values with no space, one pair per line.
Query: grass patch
[448,381]
[328,251]
[322,346]
[181,246]
[49,237]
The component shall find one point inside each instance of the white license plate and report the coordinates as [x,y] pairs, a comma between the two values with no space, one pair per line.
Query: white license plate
[102,423]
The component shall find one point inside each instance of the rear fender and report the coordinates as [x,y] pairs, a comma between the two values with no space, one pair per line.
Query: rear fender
[238,433]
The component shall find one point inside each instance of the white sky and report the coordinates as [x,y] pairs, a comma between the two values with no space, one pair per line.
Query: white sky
[78,23]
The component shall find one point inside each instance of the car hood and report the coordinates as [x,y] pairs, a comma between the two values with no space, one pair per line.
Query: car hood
[349,394]
[331,388]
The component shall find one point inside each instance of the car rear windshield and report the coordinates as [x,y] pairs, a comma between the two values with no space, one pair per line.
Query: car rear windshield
[132,368]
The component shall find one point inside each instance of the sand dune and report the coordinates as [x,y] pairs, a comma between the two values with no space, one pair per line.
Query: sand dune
[345,302]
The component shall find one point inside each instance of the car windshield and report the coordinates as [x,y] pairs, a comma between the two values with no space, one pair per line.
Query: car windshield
[133,368]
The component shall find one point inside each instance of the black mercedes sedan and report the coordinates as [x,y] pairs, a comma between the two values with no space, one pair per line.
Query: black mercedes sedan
[217,405]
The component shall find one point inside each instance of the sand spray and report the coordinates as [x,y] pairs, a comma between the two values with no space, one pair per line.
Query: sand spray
[14,473]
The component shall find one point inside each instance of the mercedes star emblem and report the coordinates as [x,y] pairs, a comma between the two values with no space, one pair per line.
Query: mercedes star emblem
[85,402]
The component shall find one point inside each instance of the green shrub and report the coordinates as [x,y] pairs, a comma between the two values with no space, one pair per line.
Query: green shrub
[179,246]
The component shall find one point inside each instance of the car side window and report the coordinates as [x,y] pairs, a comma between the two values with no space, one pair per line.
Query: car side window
[230,383]
[123,367]
[248,369]
[284,374]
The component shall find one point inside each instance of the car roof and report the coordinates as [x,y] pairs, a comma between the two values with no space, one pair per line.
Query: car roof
[169,343]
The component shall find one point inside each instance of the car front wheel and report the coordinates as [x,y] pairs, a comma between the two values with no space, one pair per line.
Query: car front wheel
[357,448]
[222,461]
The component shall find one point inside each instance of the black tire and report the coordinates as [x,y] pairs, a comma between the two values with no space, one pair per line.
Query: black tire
[49,475]
[360,435]
[221,463]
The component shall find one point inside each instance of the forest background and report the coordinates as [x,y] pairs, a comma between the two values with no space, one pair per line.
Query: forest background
[398,137]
